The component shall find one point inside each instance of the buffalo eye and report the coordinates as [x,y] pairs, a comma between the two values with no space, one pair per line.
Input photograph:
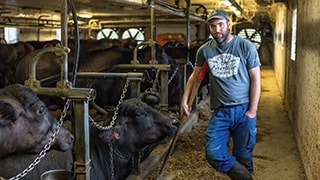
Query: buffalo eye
[139,114]
[41,110]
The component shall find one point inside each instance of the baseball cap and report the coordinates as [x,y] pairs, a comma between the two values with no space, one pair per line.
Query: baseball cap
[218,14]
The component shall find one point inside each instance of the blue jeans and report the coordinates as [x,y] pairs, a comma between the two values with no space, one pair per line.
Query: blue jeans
[229,122]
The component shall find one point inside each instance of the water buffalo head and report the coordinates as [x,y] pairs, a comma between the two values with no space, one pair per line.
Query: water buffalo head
[139,125]
[25,123]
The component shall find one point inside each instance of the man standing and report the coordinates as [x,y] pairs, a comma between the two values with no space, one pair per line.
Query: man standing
[234,95]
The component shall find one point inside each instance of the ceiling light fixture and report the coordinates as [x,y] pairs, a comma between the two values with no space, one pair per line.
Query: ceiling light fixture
[85,15]
[226,2]
[233,6]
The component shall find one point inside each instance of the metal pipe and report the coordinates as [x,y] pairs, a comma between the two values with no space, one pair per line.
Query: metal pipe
[105,23]
[64,38]
[188,45]
[235,4]
[32,81]
[70,93]
[82,143]
[161,67]
[94,75]
[153,31]
[157,6]
[176,12]
[135,51]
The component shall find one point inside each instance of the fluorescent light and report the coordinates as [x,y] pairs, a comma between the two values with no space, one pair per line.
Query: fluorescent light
[226,2]
[85,15]
[237,12]
[233,8]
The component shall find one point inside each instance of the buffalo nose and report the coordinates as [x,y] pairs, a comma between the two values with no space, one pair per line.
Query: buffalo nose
[175,121]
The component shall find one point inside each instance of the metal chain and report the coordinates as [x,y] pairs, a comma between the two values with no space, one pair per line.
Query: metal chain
[173,75]
[190,64]
[114,117]
[115,113]
[47,146]
[111,160]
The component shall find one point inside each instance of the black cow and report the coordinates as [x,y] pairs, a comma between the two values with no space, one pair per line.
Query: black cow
[9,57]
[181,52]
[138,125]
[88,45]
[103,61]
[108,95]
[49,64]
[25,123]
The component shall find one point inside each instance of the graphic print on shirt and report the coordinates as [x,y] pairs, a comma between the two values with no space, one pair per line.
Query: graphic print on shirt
[224,65]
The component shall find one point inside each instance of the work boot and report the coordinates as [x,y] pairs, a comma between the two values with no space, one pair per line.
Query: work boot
[239,172]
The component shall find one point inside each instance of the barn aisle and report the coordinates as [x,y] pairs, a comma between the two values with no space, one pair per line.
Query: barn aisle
[276,156]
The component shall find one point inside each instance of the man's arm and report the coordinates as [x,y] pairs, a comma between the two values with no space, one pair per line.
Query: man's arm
[255,89]
[193,78]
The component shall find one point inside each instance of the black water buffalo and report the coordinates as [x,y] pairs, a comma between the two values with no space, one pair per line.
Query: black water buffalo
[25,123]
[49,64]
[87,45]
[137,126]
[103,60]
[108,95]
[181,52]
[43,44]
[9,57]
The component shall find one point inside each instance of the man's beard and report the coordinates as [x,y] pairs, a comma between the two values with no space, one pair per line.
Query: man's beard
[221,40]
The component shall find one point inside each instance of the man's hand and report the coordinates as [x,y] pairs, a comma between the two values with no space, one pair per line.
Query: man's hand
[184,109]
[251,113]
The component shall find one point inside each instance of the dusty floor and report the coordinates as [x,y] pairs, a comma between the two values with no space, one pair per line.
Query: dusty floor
[275,156]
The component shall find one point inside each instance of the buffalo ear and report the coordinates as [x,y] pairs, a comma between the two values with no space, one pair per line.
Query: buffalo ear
[112,134]
[7,114]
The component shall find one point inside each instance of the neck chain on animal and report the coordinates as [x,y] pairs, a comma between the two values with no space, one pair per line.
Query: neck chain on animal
[118,153]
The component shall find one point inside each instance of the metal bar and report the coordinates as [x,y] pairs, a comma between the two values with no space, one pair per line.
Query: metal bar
[157,6]
[64,38]
[164,67]
[69,93]
[135,89]
[153,32]
[82,143]
[94,75]
[183,75]
[112,22]
[135,51]
[32,66]
[164,91]
[188,44]
[235,4]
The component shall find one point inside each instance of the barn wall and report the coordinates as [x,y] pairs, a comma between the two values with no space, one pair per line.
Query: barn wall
[41,34]
[37,34]
[177,28]
[303,85]
[280,45]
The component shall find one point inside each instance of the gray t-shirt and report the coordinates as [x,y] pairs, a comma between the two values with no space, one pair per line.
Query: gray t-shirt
[229,65]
